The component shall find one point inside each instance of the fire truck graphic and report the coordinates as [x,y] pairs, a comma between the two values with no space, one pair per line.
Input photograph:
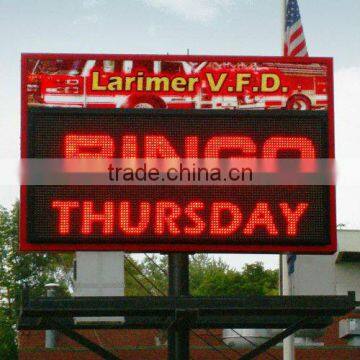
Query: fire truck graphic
[68,83]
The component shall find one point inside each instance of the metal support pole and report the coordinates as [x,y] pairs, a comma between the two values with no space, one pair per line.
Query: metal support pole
[178,338]
[50,335]
[289,342]
[281,278]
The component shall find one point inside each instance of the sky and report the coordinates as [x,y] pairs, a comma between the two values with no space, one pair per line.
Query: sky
[222,27]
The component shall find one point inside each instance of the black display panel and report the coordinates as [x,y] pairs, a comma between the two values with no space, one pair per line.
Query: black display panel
[276,218]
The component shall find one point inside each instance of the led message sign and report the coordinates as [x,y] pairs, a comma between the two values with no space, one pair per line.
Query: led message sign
[192,218]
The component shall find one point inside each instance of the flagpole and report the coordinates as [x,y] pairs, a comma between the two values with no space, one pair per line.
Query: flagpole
[282,22]
[285,279]
[283,16]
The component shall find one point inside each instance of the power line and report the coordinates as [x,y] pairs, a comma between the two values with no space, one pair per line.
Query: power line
[131,262]
[164,294]
[222,341]
[144,276]
[192,331]
[140,283]
[211,345]
[210,332]
[156,264]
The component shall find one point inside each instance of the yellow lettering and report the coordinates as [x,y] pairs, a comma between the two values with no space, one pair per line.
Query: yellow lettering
[241,80]
[215,86]
[266,85]
[115,83]
[95,82]
[157,83]
[140,81]
[129,80]
[192,82]
[178,84]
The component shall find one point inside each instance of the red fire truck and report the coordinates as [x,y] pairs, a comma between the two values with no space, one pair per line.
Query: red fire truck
[68,83]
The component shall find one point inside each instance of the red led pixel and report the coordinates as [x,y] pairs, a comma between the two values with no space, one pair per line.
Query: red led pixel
[129,147]
[64,214]
[217,227]
[263,218]
[90,217]
[191,147]
[242,144]
[303,145]
[143,217]
[158,146]
[167,215]
[88,146]
[293,216]
[198,224]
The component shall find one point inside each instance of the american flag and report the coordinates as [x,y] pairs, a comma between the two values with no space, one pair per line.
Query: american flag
[294,40]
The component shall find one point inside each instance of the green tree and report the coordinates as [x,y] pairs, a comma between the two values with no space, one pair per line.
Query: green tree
[211,277]
[19,269]
[148,277]
[8,346]
[256,280]
[208,277]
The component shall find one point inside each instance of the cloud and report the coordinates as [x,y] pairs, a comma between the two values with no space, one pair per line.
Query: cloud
[89,15]
[347,112]
[194,10]
[86,20]
[88,4]
[154,30]
[347,135]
